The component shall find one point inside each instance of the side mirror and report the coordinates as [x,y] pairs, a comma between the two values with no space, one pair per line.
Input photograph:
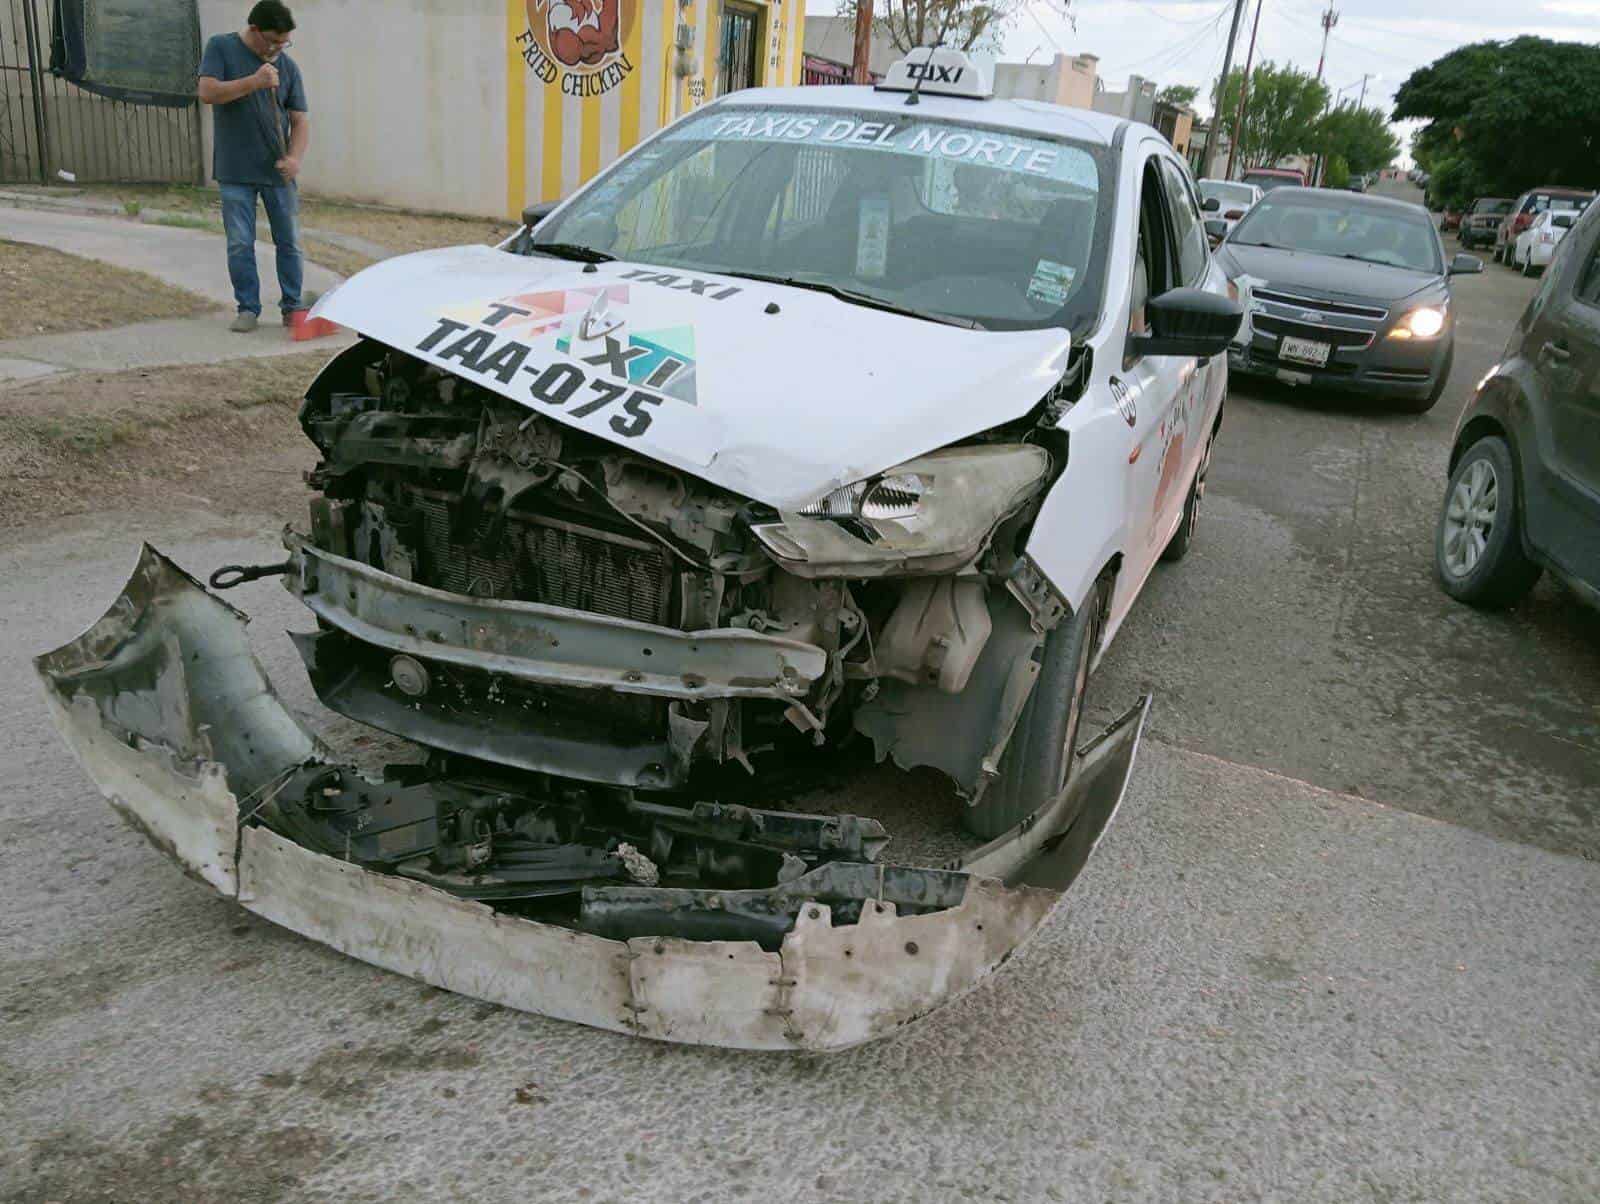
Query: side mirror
[1216,230]
[1464,265]
[1211,204]
[1188,322]
[532,215]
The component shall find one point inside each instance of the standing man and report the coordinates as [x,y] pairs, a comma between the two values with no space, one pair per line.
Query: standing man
[259,136]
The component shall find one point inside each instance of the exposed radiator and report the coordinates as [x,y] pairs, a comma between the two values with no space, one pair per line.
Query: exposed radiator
[547,560]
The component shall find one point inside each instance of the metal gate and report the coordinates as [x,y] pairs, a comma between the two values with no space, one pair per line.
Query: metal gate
[50,126]
[736,65]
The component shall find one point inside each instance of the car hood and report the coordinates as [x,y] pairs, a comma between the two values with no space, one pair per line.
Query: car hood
[776,393]
[1326,276]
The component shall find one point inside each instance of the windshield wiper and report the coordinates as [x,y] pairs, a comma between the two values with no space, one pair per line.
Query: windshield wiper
[866,300]
[1271,246]
[1382,263]
[571,250]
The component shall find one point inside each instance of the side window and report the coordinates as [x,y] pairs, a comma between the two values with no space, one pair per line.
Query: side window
[1154,265]
[1589,282]
[1188,231]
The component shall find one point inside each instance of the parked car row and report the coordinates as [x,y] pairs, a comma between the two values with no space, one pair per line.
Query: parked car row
[1526,209]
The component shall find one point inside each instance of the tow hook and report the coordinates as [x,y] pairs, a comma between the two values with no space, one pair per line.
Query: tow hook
[230,575]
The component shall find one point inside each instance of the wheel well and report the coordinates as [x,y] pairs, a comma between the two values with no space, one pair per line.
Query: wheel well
[1482,427]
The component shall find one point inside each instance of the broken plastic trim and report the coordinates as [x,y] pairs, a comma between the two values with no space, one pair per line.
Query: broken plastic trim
[169,713]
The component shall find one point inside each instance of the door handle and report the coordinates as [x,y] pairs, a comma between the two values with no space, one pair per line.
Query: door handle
[1557,351]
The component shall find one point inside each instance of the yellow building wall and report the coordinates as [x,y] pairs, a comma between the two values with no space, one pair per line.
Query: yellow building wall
[567,118]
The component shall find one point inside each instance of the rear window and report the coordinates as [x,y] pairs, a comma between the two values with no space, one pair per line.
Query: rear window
[1562,219]
[1492,207]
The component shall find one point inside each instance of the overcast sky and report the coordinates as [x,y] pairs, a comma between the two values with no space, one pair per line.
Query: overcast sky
[1181,41]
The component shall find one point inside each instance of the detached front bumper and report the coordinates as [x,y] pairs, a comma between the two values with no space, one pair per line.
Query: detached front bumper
[172,717]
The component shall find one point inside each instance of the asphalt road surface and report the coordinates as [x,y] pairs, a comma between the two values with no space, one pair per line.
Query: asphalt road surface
[1306,633]
[1263,988]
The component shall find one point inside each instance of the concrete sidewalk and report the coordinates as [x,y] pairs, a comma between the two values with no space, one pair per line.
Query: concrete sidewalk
[189,259]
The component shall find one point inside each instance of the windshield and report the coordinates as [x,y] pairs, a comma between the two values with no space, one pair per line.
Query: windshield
[1227,194]
[1394,237]
[1492,207]
[938,219]
[1267,182]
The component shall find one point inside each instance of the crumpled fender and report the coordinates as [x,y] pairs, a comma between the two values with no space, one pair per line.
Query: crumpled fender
[170,714]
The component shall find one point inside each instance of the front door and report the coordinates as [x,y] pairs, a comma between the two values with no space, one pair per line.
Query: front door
[1158,391]
[1565,347]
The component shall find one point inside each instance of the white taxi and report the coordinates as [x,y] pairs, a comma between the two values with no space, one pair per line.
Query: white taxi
[825,417]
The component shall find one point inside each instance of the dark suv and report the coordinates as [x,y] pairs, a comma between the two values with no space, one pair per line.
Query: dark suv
[1524,491]
[1479,224]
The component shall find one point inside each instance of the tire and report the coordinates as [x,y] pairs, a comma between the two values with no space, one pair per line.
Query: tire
[1178,546]
[1477,545]
[1038,758]
[1527,267]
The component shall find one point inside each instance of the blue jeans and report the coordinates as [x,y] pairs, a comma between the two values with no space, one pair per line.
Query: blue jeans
[282,203]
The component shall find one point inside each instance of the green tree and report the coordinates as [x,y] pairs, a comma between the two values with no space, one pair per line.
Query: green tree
[962,24]
[1179,96]
[1521,113]
[1282,113]
[1337,172]
[1361,137]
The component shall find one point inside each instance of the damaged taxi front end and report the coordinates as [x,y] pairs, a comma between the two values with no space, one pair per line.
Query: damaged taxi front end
[795,935]
[616,547]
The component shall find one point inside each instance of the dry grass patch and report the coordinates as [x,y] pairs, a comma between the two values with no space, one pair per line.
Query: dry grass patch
[222,435]
[44,291]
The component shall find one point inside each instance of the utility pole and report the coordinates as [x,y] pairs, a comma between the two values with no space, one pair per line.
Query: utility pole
[1362,103]
[1329,20]
[1244,89]
[860,69]
[1215,136]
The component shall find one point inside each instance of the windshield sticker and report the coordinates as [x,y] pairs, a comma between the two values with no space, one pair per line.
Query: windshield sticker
[1052,282]
[872,238]
[947,143]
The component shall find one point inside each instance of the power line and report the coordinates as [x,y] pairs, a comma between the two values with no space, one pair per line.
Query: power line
[1171,20]
[1184,43]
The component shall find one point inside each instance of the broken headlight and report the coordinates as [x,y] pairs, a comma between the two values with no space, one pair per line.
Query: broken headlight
[929,515]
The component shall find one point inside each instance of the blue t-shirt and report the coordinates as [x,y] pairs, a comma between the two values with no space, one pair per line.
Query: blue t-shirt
[250,135]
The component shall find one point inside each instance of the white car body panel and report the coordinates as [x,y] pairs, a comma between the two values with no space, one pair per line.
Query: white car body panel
[780,406]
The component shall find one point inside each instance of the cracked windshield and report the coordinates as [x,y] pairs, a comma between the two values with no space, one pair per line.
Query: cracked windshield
[938,219]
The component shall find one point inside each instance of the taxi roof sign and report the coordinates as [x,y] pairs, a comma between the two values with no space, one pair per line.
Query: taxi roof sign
[939,71]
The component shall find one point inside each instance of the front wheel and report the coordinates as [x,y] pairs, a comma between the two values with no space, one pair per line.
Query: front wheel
[1478,545]
[1042,750]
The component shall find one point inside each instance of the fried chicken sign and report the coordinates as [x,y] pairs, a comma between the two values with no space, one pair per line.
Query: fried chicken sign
[577,44]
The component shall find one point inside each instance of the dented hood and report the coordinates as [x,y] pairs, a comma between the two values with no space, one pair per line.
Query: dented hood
[776,393]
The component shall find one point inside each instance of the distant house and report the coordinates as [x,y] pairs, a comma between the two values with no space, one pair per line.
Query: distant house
[830,49]
[1067,80]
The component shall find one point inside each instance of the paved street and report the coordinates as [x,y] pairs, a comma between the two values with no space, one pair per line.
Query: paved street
[1306,634]
[1340,944]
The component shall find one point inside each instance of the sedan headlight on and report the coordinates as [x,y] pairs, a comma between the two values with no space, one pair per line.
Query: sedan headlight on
[929,515]
[1424,322]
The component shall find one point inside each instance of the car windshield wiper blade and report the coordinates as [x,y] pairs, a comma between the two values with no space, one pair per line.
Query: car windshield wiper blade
[855,298]
[1271,246]
[1382,263]
[572,250]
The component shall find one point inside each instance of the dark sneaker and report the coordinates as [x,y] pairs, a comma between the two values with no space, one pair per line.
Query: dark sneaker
[244,322]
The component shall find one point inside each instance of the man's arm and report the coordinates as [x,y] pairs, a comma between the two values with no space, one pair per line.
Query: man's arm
[213,91]
[299,139]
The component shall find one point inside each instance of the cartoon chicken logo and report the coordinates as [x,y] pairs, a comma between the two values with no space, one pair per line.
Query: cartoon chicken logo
[578,33]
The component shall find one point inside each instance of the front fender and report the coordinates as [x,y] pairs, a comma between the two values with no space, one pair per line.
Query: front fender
[1082,523]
